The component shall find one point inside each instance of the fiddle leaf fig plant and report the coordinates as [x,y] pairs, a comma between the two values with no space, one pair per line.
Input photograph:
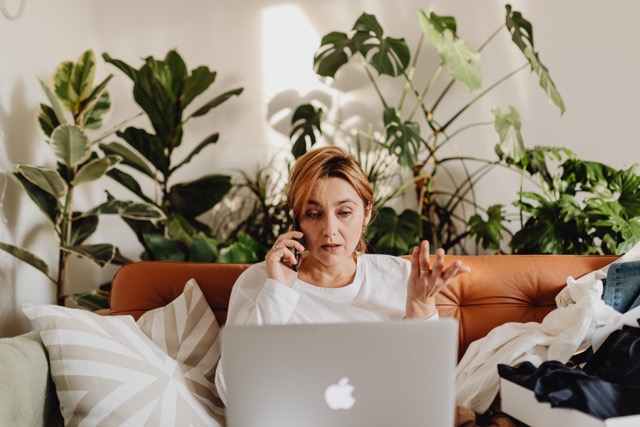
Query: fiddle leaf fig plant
[73,92]
[416,130]
[165,91]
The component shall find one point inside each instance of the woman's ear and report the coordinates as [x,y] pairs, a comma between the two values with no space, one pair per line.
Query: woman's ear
[367,216]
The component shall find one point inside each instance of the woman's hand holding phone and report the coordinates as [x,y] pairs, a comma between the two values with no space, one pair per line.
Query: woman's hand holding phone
[283,260]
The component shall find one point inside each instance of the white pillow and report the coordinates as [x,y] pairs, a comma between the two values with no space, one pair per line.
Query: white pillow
[108,373]
[187,330]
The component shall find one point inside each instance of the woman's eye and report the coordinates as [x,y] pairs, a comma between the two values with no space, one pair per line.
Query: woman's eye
[312,214]
[345,214]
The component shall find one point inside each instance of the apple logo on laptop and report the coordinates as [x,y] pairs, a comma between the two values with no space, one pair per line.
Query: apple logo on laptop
[339,396]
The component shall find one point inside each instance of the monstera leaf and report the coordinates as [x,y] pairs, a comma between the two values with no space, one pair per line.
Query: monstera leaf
[403,138]
[522,35]
[508,125]
[462,62]
[489,232]
[394,234]
[306,122]
[387,55]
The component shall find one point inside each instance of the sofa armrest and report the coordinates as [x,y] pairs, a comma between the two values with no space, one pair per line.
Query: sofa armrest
[27,393]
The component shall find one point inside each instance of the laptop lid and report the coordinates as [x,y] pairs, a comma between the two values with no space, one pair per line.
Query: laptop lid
[395,373]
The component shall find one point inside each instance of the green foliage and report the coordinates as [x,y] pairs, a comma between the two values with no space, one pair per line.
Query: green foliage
[589,208]
[164,90]
[419,136]
[72,91]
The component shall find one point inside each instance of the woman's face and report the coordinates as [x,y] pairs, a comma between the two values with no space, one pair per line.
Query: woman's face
[332,221]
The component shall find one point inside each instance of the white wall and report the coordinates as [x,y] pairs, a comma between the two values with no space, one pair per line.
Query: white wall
[266,46]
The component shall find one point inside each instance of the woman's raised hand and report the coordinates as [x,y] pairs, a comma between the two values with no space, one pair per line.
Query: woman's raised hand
[280,259]
[427,279]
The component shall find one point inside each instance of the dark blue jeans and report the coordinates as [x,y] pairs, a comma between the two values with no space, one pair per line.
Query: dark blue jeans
[622,286]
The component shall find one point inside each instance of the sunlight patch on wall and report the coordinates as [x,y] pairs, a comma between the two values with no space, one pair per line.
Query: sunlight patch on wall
[288,44]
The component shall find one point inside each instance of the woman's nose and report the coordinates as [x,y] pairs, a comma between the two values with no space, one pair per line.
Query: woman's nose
[329,226]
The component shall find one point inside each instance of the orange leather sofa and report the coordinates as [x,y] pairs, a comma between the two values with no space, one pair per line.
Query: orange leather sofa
[499,288]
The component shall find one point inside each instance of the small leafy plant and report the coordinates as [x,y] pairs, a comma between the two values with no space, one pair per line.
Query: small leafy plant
[72,91]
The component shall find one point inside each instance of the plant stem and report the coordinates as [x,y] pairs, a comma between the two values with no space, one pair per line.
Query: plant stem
[65,242]
[484,92]
[372,80]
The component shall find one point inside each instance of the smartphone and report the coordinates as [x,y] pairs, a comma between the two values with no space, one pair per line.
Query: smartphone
[296,266]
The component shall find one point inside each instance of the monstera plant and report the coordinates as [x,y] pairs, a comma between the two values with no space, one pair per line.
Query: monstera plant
[72,92]
[165,90]
[414,129]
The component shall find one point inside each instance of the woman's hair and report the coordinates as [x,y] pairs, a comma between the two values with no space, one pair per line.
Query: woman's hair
[322,163]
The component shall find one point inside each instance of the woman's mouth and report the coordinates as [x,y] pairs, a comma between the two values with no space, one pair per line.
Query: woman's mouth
[331,247]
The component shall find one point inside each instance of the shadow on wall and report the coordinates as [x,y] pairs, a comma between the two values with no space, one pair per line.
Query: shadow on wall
[7,262]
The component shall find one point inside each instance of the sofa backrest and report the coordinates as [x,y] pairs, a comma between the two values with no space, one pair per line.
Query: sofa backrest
[499,288]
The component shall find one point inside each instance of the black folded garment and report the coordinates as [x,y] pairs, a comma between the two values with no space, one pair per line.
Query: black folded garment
[607,387]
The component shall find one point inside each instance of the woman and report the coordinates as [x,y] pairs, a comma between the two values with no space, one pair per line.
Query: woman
[334,280]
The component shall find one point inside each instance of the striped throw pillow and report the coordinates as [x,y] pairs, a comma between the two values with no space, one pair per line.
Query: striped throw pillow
[188,331]
[108,373]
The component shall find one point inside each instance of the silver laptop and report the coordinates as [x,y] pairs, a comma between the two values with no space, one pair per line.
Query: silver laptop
[397,373]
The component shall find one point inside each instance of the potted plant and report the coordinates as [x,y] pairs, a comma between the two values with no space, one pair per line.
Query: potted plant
[72,91]
[165,90]
[413,130]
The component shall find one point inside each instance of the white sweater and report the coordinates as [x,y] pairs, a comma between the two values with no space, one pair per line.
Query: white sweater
[378,292]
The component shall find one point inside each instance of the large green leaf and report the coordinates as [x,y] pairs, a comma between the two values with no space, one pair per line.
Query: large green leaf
[61,83]
[95,169]
[150,146]
[128,70]
[82,76]
[306,121]
[458,58]
[508,125]
[237,252]
[203,248]
[211,139]
[178,228]
[47,120]
[128,182]
[70,145]
[489,232]
[55,104]
[102,253]
[172,72]
[199,80]
[216,101]
[47,179]
[335,50]
[48,204]
[395,234]
[521,32]
[128,209]
[403,138]
[129,157]
[196,197]
[391,56]
[163,249]
[96,106]
[82,228]
[28,257]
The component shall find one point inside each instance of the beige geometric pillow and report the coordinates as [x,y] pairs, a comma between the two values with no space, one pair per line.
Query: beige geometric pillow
[108,373]
[187,330]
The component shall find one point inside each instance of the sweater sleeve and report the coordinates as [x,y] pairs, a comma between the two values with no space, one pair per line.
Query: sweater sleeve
[258,300]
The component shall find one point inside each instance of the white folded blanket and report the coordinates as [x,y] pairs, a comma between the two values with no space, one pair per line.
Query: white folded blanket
[580,313]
